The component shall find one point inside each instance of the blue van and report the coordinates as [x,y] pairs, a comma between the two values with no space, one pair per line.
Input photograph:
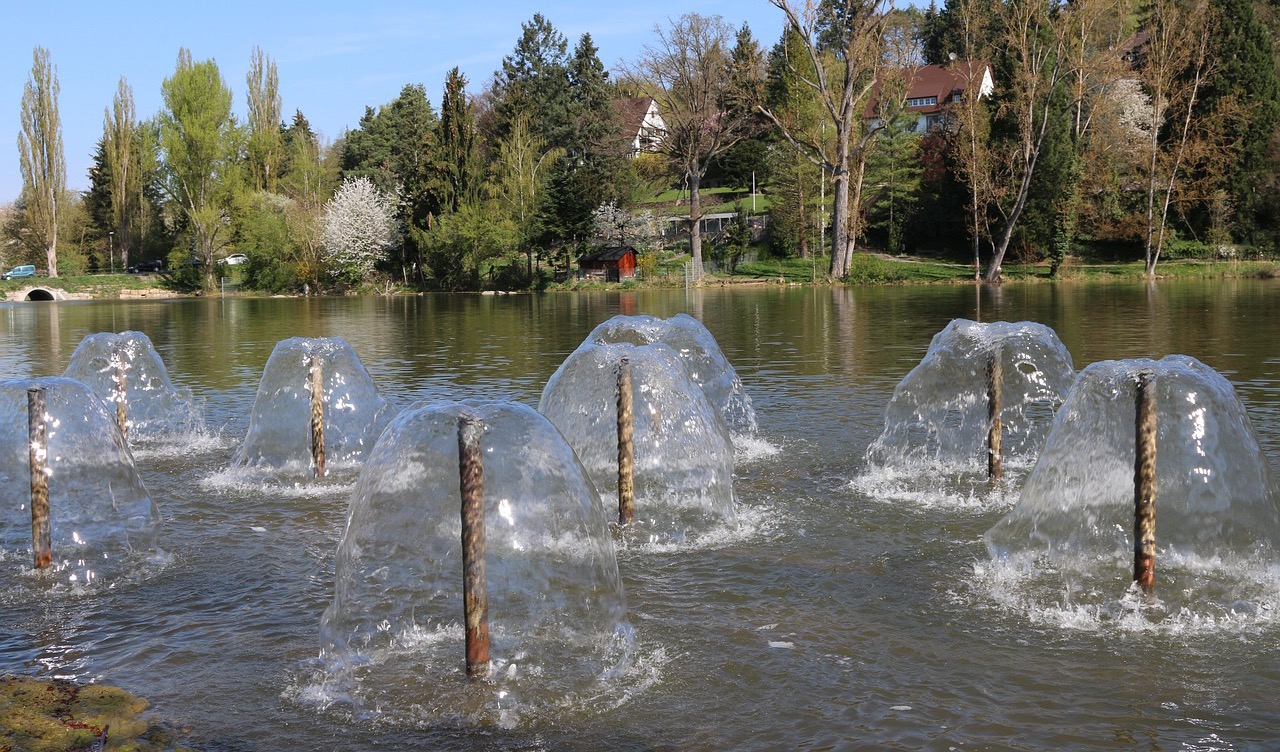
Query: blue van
[26,270]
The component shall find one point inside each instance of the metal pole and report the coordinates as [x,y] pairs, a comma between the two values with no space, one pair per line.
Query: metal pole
[1144,484]
[122,399]
[317,417]
[41,547]
[995,403]
[626,447]
[475,597]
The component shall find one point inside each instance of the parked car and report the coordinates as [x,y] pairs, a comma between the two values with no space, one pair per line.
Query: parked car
[25,270]
[235,259]
[142,267]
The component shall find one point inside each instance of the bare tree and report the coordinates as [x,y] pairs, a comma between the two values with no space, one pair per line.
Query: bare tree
[1035,38]
[1175,63]
[843,91]
[689,74]
[119,141]
[263,98]
[44,168]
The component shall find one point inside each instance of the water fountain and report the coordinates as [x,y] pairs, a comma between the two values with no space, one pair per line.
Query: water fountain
[126,372]
[489,490]
[1151,491]
[316,406]
[702,356]
[982,397]
[680,449]
[69,491]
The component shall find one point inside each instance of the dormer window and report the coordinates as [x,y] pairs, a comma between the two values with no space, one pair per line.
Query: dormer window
[921,101]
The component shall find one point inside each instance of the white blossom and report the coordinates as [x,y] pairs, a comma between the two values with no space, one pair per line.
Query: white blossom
[359,226]
[621,227]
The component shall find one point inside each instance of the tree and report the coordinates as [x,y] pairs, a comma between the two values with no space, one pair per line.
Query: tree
[534,79]
[797,180]
[359,227]
[1035,67]
[690,75]
[619,227]
[566,220]
[893,170]
[1243,97]
[595,134]
[41,160]
[200,142]
[1175,67]
[308,181]
[458,161]
[521,166]
[120,152]
[843,94]
[263,99]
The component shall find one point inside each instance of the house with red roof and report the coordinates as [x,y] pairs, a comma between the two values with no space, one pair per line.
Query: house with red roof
[933,89]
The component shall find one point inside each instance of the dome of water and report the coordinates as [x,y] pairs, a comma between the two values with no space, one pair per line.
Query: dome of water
[1215,500]
[99,510]
[555,601]
[683,452]
[153,406]
[937,416]
[354,413]
[701,355]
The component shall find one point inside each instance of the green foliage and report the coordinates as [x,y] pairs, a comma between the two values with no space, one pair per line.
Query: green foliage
[865,268]
[457,163]
[461,242]
[200,142]
[893,181]
[1242,98]
[534,79]
[395,147]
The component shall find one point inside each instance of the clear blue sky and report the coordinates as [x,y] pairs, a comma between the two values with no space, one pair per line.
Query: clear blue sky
[333,58]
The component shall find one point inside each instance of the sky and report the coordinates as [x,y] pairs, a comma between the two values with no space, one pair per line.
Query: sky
[333,59]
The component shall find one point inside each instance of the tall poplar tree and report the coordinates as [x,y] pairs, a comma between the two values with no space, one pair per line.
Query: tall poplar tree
[120,153]
[263,99]
[43,165]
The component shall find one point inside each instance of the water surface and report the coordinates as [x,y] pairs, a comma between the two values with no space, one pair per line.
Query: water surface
[835,620]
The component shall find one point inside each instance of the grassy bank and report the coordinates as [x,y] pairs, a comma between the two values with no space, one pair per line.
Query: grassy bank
[866,269]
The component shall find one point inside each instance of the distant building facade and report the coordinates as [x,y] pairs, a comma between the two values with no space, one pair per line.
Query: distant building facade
[642,124]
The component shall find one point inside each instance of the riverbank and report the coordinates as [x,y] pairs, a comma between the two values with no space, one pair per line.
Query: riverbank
[865,269]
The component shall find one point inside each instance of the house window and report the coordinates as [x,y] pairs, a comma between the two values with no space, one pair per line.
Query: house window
[921,101]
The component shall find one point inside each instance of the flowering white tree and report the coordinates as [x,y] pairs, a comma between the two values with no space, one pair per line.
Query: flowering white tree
[619,227]
[359,226]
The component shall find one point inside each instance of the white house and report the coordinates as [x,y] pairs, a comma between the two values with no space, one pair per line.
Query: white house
[642,124]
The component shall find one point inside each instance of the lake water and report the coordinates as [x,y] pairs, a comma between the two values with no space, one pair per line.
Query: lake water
[832,619]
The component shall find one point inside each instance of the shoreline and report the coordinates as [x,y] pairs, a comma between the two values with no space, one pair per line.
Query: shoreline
[886,270]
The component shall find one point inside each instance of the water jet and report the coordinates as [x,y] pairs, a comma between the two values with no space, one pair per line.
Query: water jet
[316,405]
[474,525]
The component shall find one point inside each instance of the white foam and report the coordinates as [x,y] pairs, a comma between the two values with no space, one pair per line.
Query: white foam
[1194,596]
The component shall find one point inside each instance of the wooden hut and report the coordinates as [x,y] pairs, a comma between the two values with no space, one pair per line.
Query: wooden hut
[610,264]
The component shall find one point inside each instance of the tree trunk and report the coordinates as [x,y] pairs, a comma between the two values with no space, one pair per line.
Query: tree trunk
[695,220]
[855,211]
[840,223]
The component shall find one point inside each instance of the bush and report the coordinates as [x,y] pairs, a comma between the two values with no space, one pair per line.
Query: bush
[865,268]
